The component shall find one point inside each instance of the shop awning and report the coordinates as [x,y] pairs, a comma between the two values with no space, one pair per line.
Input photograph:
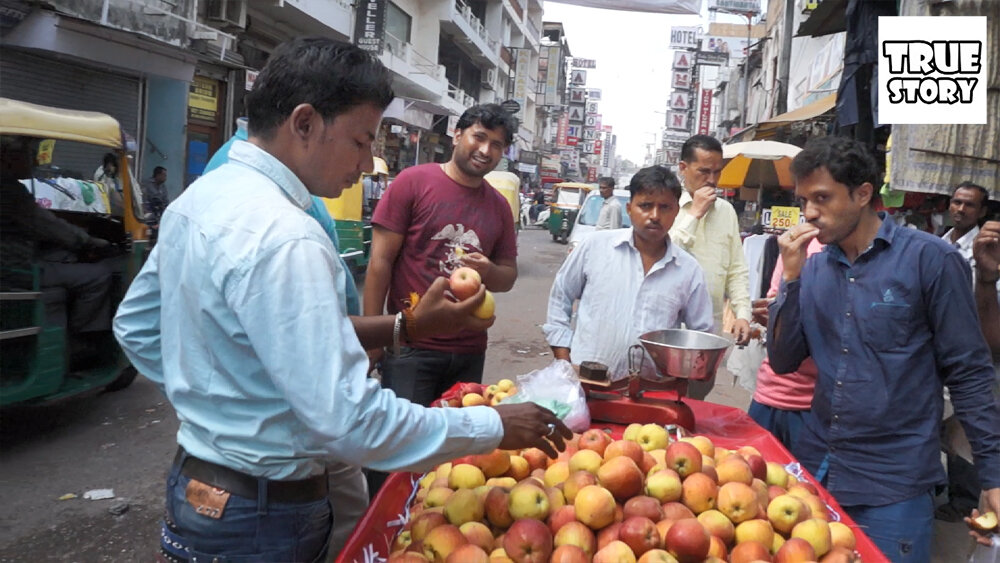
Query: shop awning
[826,19]
[808,111]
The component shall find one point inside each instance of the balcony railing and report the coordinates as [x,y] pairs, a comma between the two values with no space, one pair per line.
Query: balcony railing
[405,52]
[477,25]
[459,95]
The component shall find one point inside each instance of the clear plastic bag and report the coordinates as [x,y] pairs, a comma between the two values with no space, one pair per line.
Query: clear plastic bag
[557,388]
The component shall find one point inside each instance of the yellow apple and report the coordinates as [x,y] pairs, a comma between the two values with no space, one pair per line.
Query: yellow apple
[631,431]
[464,505]
[527,500]
[505,385]
[466,476]
[486,309]
[652,437]
[816,532]
[755,530]
[841,535]
[595,506]
[586,460]
[664,485]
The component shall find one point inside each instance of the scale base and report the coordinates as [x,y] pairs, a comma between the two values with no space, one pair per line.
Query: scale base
[625,411]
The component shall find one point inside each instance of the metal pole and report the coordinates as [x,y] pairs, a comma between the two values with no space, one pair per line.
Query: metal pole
[746,75]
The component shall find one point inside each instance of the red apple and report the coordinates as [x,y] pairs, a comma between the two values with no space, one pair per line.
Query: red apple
[424,523]
[683,458]
[688,540]
[640,534]
[757,466]
[621,476]
[608,535]
[748,552]
[643,506]
[614,552]
[734,469]
[795,550]
[468,553]
[528,541]
[626,448]
[497,508]
[441,541]
[576,481]
[595,439]
[718,525]
[464,282]
[717,550]
[569,554]
[560,517]
[676,511]
[407,557]
[698,492]
[577,534]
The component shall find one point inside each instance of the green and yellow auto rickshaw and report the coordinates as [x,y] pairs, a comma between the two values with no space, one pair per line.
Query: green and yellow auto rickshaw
[353,212]
[35,341]
[508,184]
[567,197]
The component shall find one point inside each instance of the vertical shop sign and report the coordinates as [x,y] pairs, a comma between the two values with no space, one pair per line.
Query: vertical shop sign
[562,129]
[705,111]
[369,26]
[521,72]
[552,76]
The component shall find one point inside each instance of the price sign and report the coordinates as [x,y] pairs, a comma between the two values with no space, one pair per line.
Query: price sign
[45,149]
[784,217]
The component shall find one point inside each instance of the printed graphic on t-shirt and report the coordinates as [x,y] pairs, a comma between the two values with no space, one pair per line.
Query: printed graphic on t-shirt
[460,242]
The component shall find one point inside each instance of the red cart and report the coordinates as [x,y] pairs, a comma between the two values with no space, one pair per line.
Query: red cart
[725,426]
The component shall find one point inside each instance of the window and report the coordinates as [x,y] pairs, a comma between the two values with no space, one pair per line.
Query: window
[398,23]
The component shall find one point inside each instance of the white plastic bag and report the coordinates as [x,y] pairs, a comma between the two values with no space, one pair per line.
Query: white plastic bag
[744,363]
[557,388]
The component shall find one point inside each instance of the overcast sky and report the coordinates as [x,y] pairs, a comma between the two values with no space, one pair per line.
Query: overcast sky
[633,66]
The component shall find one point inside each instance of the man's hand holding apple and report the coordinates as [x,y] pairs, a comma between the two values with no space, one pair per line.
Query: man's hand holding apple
[437,314]
[793,245]
[989,501]
[528,425]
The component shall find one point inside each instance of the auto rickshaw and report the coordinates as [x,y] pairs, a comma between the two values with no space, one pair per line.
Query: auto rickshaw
[36,364]
[567,197]
[508,184]
[353,213]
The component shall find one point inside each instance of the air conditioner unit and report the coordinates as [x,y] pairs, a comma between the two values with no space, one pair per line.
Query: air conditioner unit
[231,12]
[489,78]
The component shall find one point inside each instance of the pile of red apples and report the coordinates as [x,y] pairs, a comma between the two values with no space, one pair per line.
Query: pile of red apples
[641,499]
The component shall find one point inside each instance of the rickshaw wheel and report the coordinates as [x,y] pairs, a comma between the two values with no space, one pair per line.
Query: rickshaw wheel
[124,379]
[555,237]
[563,237]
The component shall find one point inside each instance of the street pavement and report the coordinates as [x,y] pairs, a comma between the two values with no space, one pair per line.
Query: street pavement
[125,441]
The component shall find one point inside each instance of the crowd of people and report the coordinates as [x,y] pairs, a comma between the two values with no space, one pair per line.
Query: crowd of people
[243,316]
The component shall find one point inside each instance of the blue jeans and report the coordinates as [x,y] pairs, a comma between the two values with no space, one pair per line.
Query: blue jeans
[785,425]
[903,530]
[424,375]
[249,530]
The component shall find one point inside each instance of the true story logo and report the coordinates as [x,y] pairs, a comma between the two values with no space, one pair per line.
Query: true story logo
[932,70]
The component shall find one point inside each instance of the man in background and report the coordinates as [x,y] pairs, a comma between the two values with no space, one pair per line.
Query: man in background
[154,195]
[708,228]
[611,210]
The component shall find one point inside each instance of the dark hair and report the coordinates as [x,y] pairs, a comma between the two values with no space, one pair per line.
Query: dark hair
[110,158]
[608,180]
[158,169]
[654,178]
[489,116]
[332,76]
[703,142]
[847,161]
[967,185]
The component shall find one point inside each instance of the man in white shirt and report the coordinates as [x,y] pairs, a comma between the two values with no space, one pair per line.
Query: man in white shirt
[628,282]
[967,209]
[239,315]
[610,216]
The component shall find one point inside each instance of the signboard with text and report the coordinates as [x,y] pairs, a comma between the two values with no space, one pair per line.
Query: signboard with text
[682,60]
[680,100]
[684,37]
[592,107]
[705,111]
[779,217]
[576,113]
[552,76]
[578,77]
[594,94]
[562,129]
[577,95]
[584,63]
[522,68]
[735,6]
[677,120]
[712,59]
[681,80]
[369,25]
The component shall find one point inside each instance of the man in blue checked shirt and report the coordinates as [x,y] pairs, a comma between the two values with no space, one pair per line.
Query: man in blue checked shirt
[240,316]
[888,315]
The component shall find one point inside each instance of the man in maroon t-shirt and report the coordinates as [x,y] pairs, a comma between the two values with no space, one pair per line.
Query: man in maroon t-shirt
[434,219]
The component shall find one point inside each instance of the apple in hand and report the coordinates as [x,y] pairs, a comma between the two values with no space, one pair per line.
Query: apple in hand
[486,309]
[464,283]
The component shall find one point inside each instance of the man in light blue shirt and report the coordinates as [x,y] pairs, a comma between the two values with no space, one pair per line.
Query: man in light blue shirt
[240,316]
[628,282]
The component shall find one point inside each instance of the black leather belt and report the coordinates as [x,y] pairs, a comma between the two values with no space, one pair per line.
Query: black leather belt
[301,490]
